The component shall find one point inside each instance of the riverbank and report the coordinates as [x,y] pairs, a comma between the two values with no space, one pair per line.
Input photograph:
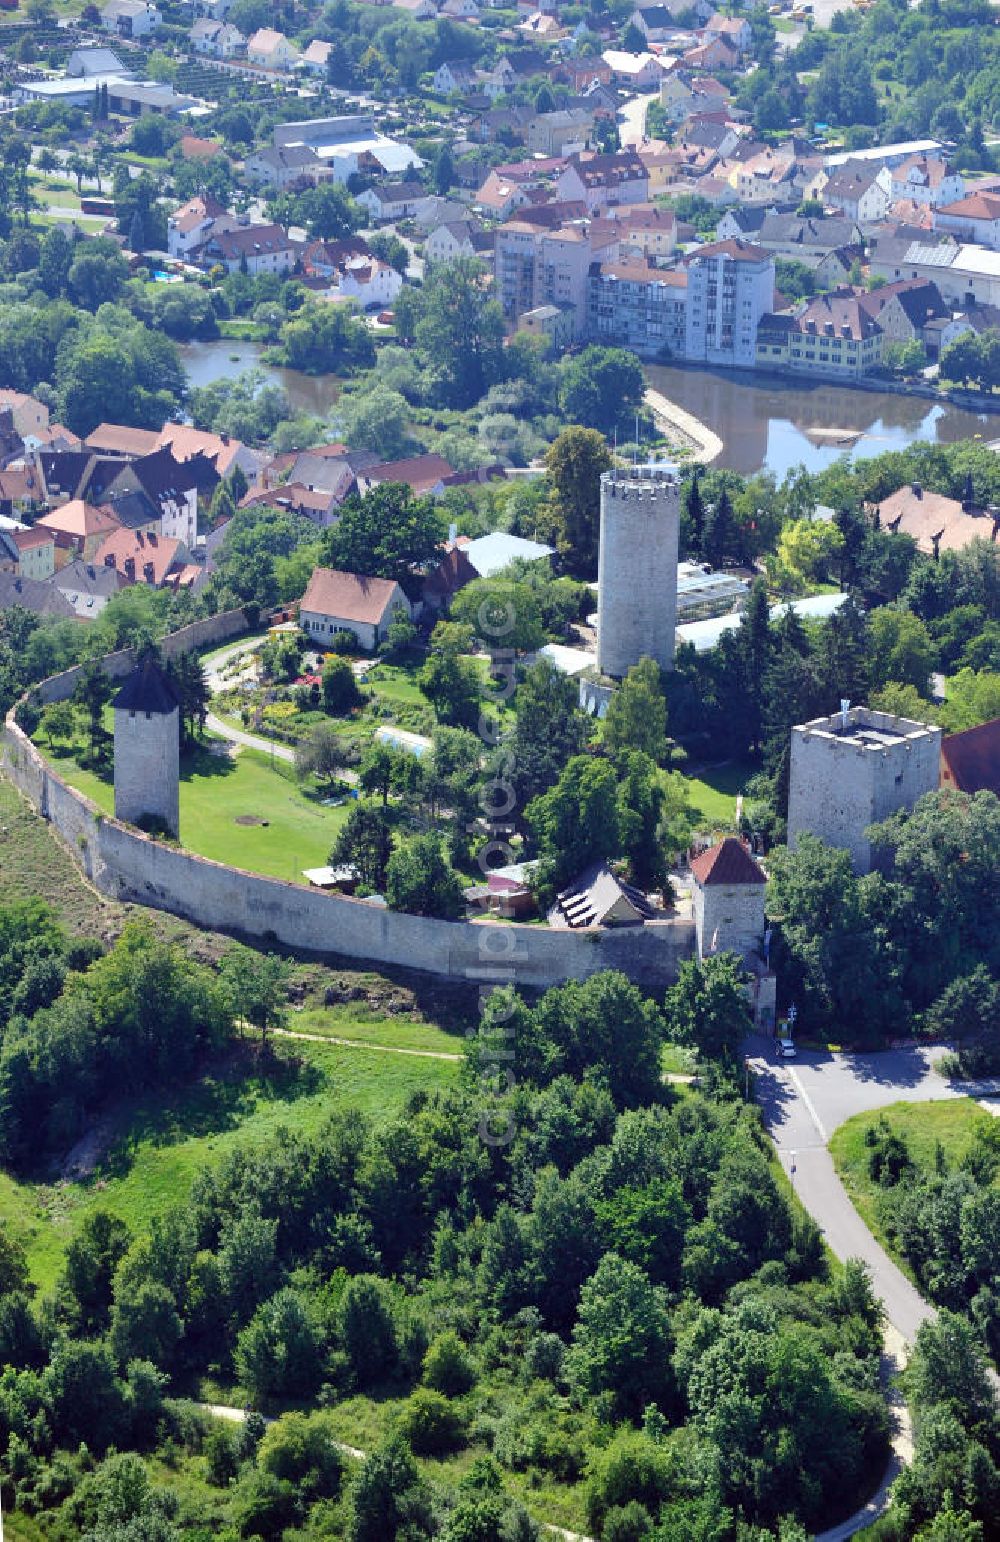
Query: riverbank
[778,424]
[677,423]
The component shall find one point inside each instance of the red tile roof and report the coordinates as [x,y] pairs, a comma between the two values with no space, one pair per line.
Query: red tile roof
[79,519]
[970,761]
[974,206]
[348,596]
[145,559]
[727,863]
[739,251]
[122,440]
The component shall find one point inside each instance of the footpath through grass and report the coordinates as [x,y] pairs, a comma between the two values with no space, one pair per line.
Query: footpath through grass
[158,1144]
[923,1126]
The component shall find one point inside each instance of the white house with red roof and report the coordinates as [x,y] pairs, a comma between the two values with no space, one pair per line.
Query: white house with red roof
[193,223]
[925,181]
[974,218]
[350,602]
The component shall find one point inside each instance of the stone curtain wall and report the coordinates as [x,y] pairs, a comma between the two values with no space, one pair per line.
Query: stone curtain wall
[198,634]
[127,865]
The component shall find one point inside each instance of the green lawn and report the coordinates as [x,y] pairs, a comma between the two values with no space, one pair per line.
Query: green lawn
[218,791]
[56,191]
[242,330]
[367,1025]
[713,792]
[166,1139]
[33,864]
[396,685]
[922,1125]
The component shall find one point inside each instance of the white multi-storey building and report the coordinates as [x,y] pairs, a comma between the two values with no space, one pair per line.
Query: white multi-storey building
[730,287]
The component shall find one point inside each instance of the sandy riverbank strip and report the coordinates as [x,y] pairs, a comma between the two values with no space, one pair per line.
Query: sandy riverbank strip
[683,426]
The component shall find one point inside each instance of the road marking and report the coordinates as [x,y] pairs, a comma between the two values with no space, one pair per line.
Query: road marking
[796,1081]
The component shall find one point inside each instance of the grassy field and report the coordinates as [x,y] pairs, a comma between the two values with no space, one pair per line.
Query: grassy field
[922,1125]
[368,1025]
[34,864]
[159,1143]
[239,811]
[713,792]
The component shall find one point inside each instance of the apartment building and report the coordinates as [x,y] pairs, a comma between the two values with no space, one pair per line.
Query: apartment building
[730,287]
[835,335]
[631,305]
[534,266]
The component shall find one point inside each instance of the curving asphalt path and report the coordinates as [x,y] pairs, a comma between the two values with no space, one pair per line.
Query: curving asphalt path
[803,1102]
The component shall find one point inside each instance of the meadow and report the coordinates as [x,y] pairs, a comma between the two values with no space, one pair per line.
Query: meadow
[947,1126]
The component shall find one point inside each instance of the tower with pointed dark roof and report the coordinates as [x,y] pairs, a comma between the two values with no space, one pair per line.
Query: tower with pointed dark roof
[147,748]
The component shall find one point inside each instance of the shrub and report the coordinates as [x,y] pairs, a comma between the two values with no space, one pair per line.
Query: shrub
[447,1367]
[432,1425]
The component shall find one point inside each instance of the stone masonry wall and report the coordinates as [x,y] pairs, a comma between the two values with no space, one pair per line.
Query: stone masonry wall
[198,634]
[128,865]
[733,911]
[838,787]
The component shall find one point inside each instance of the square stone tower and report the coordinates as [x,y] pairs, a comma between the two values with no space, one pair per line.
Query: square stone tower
[728,900]
[637,568]
[147,747]
[853,769]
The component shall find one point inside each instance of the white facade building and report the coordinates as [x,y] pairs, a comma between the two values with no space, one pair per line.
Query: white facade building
[730,287]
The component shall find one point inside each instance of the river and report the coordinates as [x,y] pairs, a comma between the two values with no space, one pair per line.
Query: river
[208,361]
[763,424]
[766,424]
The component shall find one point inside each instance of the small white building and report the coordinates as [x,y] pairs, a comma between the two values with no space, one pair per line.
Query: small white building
[450,240]
[349,602]
[453,76]
[271,50]
[367,280]
[191,225]
[85,63]
[395,201]
[252,249]
[316,57]
[284,166]
[130,18]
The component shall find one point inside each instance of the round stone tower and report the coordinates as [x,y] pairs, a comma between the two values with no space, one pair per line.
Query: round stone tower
[637,567]
[147,748]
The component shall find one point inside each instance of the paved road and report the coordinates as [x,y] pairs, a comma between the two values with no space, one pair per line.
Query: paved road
[804,1102]
[214,664]
[632,119]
